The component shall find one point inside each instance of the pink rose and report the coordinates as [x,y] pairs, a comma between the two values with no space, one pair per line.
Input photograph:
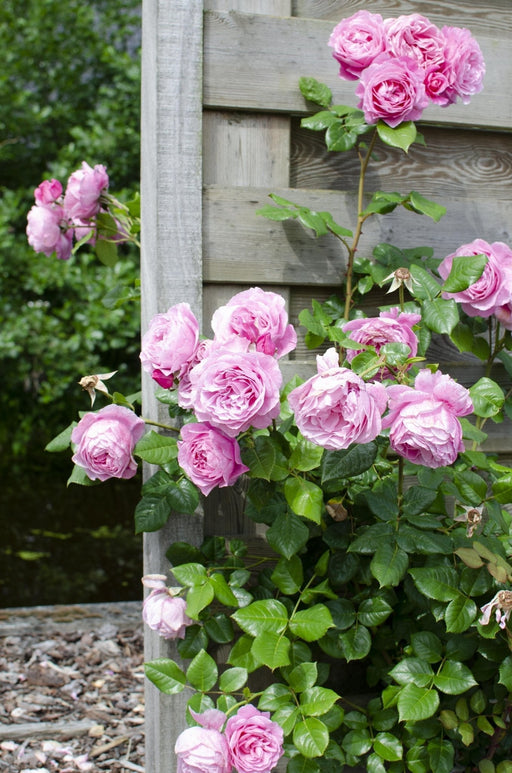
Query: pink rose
[336,407]
[48,232]
[414,36]
[234,390]
[83,191]
[202,350]
[255,741]
[494,288]
[202,750]
[357,41]
[48,192]
[423,421]
[162,611]
[504,315]
[391,326]
[260,318]
[209,457]
[169,343]
[392,90]
[464,64]
[105,441]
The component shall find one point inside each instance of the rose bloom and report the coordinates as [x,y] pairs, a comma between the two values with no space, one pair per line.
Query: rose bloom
[48,192]
[202,750]
[391,326]
[234,390]
[105,441]
[259,317]
[423,420]
[83,191]
[494,288]
[169,343]
[391,89]
[48,232]
[255,741]
[163,612]
[209,457]
[416,37]
[357,41]
[504,315]
[464,64]
[336,407]
[202,350]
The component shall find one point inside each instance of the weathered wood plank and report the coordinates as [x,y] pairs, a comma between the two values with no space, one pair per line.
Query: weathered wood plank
[170,266]
[285,253]
[286,48]
[453,163]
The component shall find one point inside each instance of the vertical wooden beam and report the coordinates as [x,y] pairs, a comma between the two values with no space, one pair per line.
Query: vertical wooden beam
[171,266]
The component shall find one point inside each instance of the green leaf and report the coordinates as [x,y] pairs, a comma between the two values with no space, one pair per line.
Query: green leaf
[305,498]
[465,271]
[156,449]
[416,703]
[373,611]
[357,742]
[151,514]
[440,755]
[454,678]
[202,672]
[382,499]
[198,597]
[288,575]
[182,496]
[347,463]
[459,614]
[426,207]
[306,455]
[288,534]
[242,655]
[355,643]
[166,675]
[389,564]
[437,582]
[302,676]
[402,136]
[223,592]
[318,121]
[195,639]
[311,737]
[487,397]
[440,315]
[265,459]
[312,623]
[272,649]
[274,696]
[233,679]
[506,673]
[502,489]
[412,670]
[374,764]
[61,441]
[315,91]
[339,137]
[287,717]
[417,500]
[388,747]
[106,252]
[424,285]
[219,628]
[427,646]
[276,213]
[315,701]
[190,574]
[266,615]
[79,476]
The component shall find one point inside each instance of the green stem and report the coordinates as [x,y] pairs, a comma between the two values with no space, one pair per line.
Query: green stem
[158,424]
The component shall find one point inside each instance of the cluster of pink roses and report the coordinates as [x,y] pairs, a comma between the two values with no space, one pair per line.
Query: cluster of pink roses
[57,218]
[251,743]
[404,63]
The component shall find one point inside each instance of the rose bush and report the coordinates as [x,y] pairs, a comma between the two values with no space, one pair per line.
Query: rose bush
[387,526]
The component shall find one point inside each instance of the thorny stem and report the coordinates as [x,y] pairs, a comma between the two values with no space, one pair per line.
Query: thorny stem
[364,161]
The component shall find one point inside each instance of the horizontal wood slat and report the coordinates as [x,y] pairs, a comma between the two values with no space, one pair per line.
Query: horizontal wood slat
[287,48]
[240,246]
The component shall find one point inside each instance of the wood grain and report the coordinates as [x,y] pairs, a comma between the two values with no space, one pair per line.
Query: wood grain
[287,48]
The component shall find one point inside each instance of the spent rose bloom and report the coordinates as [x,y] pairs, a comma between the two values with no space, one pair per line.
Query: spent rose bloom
[255,741]
[336,407]
[169,343]
[391,89]
[105,441]
[464,64]
[84,190]
[202,750]
[356,42]
[494,288]
[209,457]
[391,326]
[234,390]
[162,611]
[418,38]
[259,317]
[501,605]
[48,231]
[48,192]
[423,420]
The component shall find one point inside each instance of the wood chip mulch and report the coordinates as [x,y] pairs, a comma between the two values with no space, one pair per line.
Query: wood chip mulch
[72,689]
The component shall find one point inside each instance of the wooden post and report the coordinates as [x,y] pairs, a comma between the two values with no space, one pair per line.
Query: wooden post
[170,266]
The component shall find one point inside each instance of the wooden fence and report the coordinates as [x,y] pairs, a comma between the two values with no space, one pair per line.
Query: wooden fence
[221,130]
